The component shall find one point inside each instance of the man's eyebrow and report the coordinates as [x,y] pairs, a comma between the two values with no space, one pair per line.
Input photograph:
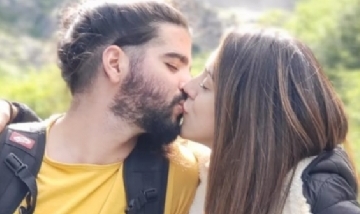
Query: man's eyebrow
[181,57]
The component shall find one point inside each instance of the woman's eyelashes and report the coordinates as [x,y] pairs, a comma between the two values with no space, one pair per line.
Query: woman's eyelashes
[202,85]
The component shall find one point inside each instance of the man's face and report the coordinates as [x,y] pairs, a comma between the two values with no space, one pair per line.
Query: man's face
[151,94]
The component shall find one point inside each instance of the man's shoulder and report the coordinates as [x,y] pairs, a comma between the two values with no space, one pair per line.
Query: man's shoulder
[187,157]
[185,174]
[188,154]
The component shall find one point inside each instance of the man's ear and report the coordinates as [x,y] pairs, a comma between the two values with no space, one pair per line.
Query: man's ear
[115,63]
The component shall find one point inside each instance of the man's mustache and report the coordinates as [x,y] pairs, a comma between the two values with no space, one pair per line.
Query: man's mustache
[178,99]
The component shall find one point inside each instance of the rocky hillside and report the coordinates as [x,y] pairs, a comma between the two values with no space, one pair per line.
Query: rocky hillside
[26,32]
[27,27]
[254,4]
[32,17]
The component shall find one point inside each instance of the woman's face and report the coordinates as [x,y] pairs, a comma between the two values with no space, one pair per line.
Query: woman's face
[199,113]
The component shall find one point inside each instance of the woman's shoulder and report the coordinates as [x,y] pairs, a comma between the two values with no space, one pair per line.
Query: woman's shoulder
[330,184]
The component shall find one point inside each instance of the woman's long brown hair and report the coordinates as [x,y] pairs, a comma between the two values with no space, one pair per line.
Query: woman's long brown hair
[274,107]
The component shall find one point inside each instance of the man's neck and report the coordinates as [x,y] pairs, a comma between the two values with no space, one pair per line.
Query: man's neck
[84,136]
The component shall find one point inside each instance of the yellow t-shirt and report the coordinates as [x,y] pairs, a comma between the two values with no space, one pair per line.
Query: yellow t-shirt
[99,189]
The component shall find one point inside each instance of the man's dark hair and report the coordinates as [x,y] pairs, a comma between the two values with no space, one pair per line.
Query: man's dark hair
[89,29]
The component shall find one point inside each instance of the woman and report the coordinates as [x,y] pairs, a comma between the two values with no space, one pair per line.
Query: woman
[278,129]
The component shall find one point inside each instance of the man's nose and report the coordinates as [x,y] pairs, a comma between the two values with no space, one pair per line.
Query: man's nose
[189,90]
[182,85]
[185,78]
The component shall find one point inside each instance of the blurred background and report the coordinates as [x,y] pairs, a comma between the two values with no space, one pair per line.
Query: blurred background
[28,71]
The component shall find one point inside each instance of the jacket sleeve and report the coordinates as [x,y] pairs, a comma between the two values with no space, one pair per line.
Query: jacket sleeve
[25,114]
[335,196]
[343,207]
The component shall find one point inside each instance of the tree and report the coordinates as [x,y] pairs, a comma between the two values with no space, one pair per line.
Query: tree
[44,90]
[331,30]
[348,54]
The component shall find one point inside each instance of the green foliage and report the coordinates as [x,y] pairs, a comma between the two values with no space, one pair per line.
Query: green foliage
[350,94]
[32,18]
[198,63]
[348,52]
[331,30]
[43,90]
[274,18]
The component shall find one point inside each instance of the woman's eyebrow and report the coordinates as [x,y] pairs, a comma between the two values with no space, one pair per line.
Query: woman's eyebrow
[209,73]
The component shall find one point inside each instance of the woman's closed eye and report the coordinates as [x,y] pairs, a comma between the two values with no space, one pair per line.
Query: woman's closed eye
[202,85]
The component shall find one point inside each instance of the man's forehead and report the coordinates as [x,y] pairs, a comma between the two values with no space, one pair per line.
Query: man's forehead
[175,36]
[173,42]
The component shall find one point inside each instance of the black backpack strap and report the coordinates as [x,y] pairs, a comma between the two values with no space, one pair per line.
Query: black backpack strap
[145,178]
[25,114]
[21,153]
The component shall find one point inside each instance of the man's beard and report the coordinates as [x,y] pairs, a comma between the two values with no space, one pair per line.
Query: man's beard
[142,101]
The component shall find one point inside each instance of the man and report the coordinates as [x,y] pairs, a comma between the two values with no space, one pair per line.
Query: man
[125,65]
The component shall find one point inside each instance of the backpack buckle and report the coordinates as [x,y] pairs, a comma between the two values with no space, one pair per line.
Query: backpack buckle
[151,194]
[22,210]
[146,196]
[15,164]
